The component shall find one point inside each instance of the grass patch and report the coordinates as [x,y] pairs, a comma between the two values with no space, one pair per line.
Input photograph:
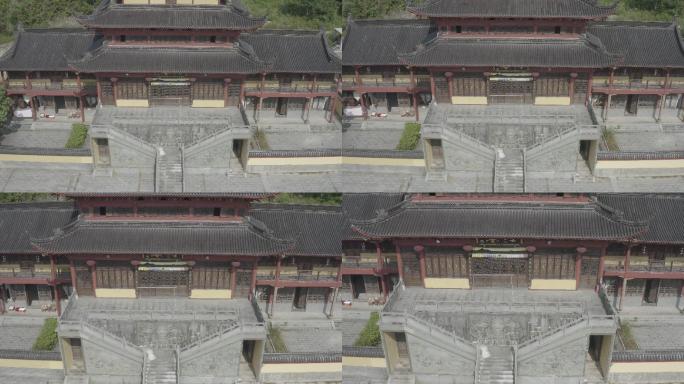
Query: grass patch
[47,339]
[610,140]
[260,138]
[370,336]
[278,17]
[410,137]
[627,336]
[307,198]
[79,132]
[277,340]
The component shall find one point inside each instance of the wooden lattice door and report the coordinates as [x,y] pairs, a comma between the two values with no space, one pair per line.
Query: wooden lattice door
[170,93]
[163,283]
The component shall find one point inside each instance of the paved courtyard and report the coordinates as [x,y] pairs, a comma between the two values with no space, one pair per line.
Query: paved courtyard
[19,333]
[31,376]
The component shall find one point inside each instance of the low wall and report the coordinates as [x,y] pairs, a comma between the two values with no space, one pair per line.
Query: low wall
[115,293]
[210,294]
[438,282]
[553,284]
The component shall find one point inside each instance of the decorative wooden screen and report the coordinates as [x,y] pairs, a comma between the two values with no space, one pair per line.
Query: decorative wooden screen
[170,93]
[411,267]
[589,272]
[440,262]
[106,93]
[163,283]
[208,90]
[499,272]
[210,277]
[84,281]
[131,89]
[111,275]
[553,264]
[243,282]
[511,92]
[552,86]
[469,84]
[441,89]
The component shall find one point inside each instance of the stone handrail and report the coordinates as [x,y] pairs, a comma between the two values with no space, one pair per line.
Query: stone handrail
[563,329]
[393,295]
[534,307]
[214,134]
[441,130]
[257,311]
[122,132]
[353,351]
[557,135]
[303,357]
[494,173]
[12,150]
[30,355]
[145,367]
[649,355]
[125,344]
[524,167]
[478,360]
[218,334]
[640,155]
[432,327]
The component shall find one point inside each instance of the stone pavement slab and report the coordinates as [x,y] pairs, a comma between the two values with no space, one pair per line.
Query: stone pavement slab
[31,376]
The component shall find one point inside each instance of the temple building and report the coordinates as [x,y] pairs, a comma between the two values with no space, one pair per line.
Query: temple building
[521,288]
[512,90]
[205,54]
[176,287]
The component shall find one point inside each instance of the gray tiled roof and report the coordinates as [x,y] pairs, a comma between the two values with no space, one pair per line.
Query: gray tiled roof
[662,213]
[246,237]
[365,206]
[583,52]
[47,49]
[226,17]
[21,222]
[169,60]
[317,230]
[293,51]
[520,220]
[642,44]
[379,42]
[588,9]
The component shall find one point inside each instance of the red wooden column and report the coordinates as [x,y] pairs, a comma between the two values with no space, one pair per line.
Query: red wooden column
[610,95]
[93,275]
[400,264]
[578,265]
[420,250]
[99,91]
[602,265]
[53,276]
[571,86]
[81,103]
[226,83]
[624,278]
[72,272]
[274,297]
[433,87]
[233,277]
[450,82]
[135,264]
[115,87]
[381,267]
[252,285]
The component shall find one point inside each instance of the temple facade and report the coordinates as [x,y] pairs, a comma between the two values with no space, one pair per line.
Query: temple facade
[560,53]
[204,54]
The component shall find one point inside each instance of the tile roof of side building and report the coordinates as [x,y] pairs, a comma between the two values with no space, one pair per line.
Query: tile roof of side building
[642,44]
[662,213]
[48,49]
[232,16]
[243,237]
[582,9]
[588,220]
[293,51]
[380,42]
[20,222]
[316,229]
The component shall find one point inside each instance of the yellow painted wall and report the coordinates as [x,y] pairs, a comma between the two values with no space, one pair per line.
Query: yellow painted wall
[115,293]
[552,284]
[302,368]
[649,367]
[438,282]
[34,364]
[48,159]
[551,100]
[469,100]
[370,362]
[132,103]
[210,294]
[383,161]
[335,160]
[197,2]
[640,164]
[208,104]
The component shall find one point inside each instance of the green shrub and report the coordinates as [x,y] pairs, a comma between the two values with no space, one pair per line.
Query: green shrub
[627,336]
[370,336]
[277,340]
[47,339]
[260,138]
[410,137]
[5,104]
[79,132]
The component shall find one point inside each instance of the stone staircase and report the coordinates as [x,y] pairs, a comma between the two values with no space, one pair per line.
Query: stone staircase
[400,378]
[509,171]
[495,366]
[169,170]
[161,370]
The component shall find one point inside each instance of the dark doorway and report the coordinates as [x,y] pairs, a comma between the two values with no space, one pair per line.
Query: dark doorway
[60,103]
[632,106]
[299,303]
[281,106]
[358,285]
[392,101]
[651,292]
[31,294]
